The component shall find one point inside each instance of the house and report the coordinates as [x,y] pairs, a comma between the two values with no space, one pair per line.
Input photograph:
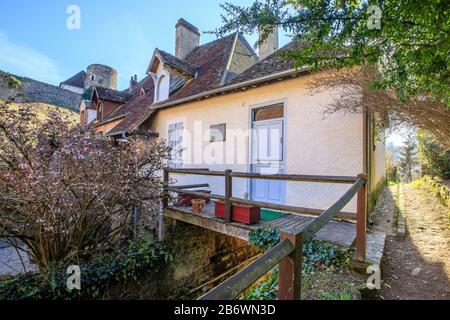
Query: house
[98,89]
[221,107]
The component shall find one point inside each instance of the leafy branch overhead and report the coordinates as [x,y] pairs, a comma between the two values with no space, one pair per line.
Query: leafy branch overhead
[410,49]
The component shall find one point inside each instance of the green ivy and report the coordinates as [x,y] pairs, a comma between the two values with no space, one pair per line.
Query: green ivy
[264,238]
[317,256]
[140,257]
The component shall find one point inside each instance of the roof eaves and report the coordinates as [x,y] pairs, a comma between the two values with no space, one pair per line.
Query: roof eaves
[111,120]
[232,87]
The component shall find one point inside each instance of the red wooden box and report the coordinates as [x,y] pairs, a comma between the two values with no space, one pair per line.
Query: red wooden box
[241,213]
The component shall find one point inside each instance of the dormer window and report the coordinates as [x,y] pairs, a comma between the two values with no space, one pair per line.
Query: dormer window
[142,92]
[162,86]
[100,112]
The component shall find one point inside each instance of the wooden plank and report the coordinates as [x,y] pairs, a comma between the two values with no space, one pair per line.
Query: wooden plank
[228,195]
[192,186]
[361,225]
[197,194]
[312,228]
[290,276]
[292,209]
[197,172]
[236,284]
[296,177]
[208,223]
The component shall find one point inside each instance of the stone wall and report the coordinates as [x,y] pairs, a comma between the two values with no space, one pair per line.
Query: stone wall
[36,91]
[200,258]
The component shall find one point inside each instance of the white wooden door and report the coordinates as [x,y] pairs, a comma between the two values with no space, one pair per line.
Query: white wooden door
[268,158]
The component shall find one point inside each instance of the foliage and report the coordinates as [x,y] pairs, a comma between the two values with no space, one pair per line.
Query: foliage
[408,158]
[321,255]
[264,238]
[12,81]
[265,290]
[65,193]
[392,173]
[434,159]
[410,49]
[50,284]
[317,256]
[336,296]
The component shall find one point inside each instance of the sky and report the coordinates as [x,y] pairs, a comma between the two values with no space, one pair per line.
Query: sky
[35,41]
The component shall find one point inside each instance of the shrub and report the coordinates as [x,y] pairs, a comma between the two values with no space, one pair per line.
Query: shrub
[434,158]
[50,284]
[64,192]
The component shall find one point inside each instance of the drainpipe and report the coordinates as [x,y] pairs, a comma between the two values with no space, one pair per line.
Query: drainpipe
[367,157]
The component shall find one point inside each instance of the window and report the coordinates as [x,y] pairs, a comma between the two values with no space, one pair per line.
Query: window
[163,84]
[100,112]
[142,92]
[175,141]
[93,77]
[270,112]
[218,132]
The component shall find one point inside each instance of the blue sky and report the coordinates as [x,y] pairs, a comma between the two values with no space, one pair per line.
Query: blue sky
[35,42]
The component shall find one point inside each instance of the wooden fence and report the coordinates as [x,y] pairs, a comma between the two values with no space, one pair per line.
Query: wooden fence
[289,251]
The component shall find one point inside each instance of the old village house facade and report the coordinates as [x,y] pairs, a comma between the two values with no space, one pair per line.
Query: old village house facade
[220,106]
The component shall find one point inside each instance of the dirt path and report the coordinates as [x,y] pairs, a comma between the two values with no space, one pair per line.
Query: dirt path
[418,266]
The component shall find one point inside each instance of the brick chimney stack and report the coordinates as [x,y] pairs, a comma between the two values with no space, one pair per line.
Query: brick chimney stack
[133,81]
[187,39]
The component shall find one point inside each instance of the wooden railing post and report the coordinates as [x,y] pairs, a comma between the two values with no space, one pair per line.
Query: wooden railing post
[165,196]
[164,204]
[361,222]
[290,276]
[228,195]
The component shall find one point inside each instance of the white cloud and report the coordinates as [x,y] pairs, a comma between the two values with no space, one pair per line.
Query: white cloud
[25,61]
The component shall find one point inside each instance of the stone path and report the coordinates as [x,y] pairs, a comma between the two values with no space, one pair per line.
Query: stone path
[418,265]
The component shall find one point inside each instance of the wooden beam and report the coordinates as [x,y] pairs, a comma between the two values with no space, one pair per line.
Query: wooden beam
[216,225]
[296,177]
[235,285]
[191,186]
[228,195]
[290,276]
[361,223]
[198,172]
[311,229]
[197,194]
[292,209]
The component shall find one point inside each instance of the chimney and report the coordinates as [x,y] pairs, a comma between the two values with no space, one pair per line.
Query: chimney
[269,46]
[133,81]
[187,39]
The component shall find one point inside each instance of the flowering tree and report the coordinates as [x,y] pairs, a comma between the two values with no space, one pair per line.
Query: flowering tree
[65,193]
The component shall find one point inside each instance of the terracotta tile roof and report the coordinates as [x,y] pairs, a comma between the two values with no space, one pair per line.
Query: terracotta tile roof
[274,63]
[136,108]
[76,81]
[272,68]
[210,61]
[176,63]
[112,95]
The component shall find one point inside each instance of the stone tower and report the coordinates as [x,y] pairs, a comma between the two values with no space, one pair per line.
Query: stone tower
[102,76]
